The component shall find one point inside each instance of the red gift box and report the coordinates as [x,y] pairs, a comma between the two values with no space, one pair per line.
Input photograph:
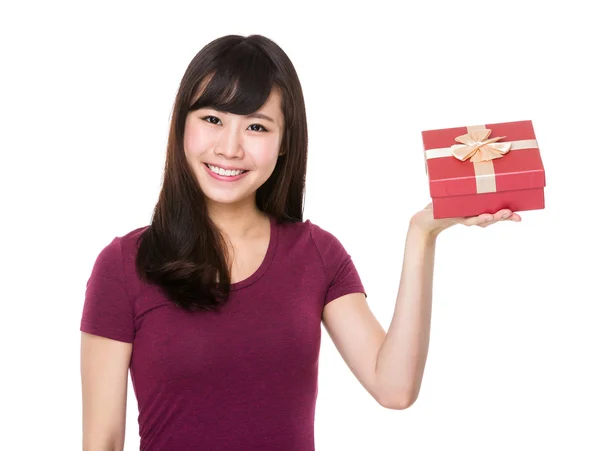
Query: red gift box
[484,168]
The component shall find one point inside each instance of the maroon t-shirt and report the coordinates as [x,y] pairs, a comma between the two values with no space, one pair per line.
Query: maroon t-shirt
[244,378]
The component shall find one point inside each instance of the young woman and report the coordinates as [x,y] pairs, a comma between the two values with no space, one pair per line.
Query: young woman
[216,306]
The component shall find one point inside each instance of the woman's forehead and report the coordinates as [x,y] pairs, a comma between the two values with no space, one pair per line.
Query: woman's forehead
[230,100]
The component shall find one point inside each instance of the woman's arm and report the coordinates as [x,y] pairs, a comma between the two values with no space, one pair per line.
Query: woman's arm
[104,372]
[391,365]
[402,356]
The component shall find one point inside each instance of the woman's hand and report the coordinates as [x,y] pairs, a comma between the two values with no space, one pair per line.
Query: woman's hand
[424,220]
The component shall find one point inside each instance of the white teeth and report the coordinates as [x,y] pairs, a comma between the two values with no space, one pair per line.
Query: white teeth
[226,172]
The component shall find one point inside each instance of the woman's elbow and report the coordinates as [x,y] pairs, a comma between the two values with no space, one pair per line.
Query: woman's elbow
[398,402]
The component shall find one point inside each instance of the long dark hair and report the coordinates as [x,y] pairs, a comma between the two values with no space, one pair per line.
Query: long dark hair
[182,250]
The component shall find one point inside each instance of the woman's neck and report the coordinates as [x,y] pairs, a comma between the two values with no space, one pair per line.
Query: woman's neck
[238,223]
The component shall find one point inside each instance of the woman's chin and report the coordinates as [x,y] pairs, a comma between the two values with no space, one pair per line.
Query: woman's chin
[231,200]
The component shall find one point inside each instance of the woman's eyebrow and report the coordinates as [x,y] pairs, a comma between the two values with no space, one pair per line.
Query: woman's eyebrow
[255,115]
[260,116]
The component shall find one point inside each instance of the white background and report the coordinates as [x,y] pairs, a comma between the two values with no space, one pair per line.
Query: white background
[86,96]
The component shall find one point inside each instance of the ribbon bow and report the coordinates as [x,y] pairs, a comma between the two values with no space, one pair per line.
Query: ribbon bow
[476,146]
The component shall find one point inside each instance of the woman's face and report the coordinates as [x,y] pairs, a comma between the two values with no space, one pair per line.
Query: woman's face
[219,146]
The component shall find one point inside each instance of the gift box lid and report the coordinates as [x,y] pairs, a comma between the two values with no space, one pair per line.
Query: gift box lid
[520,167]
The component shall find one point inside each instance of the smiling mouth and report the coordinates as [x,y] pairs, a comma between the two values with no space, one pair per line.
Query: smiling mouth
[225,172]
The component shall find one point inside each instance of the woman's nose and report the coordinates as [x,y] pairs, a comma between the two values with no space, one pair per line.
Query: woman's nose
[230,145]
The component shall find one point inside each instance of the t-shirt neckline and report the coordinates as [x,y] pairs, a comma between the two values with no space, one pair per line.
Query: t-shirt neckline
[267,260]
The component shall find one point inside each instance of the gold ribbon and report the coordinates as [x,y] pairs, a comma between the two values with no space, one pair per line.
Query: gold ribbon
[476,146]
[480,150]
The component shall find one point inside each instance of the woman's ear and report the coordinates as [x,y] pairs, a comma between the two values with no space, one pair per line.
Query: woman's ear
[284,146]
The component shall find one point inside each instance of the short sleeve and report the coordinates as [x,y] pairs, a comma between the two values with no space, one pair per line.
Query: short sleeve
[107,309]
[340,270]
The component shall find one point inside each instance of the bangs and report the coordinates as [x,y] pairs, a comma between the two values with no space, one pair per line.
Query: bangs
[241,84]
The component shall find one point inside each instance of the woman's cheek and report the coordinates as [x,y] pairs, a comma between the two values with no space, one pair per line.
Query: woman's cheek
[196,143]
[266,152]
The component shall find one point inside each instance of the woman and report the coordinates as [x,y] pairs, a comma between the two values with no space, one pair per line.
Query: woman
[216,306]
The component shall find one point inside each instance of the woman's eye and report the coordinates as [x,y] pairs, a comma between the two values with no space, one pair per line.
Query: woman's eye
[208,119]
[215,121]
[258,125]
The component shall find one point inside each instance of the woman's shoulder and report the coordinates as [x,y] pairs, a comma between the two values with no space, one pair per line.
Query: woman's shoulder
[307,230]
[122,246]
[316,243]
[133,235]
